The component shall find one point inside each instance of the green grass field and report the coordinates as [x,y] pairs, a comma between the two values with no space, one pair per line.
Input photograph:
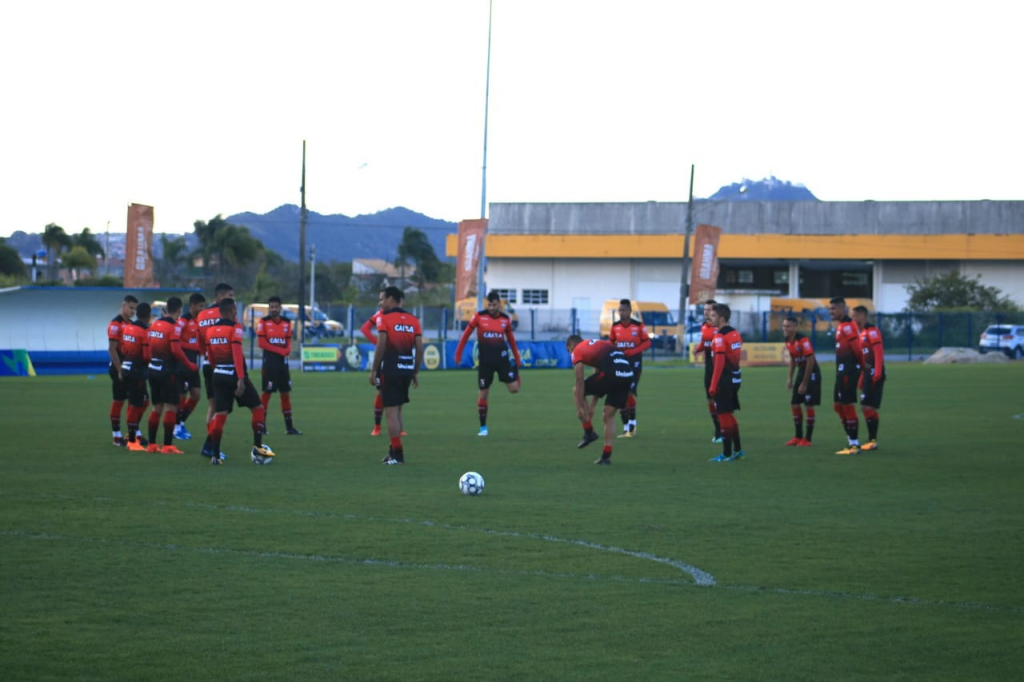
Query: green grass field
[793,564]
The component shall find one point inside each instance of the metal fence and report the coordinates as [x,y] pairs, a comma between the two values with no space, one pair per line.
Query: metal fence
[906,335]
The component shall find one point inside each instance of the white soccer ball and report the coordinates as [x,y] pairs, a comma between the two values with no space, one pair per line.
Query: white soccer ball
[262,454]
[471,483]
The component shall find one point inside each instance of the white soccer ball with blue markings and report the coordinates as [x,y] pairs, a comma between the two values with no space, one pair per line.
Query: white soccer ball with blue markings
[471,483]
[262,454]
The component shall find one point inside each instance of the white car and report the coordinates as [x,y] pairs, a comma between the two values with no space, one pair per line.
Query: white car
[1003,338]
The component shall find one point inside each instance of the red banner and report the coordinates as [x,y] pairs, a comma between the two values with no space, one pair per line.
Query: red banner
[704,276]
[471,243]
[138,248]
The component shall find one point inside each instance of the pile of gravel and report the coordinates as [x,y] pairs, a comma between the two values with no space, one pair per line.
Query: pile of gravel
[951,356]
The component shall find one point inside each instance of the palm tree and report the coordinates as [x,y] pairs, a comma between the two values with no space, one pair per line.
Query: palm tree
[55,239]
[171,267]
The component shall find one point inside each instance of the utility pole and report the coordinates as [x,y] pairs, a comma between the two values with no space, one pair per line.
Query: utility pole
[684,283]
[481,263]
[302,251]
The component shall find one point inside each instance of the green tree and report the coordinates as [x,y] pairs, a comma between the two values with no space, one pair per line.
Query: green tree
[953,291]
[55,239]
[172,266]
[416,247]
[78,259]
[10,262]
[227,250]
[87,240]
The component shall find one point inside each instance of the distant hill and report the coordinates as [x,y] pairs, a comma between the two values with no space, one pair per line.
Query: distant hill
[339,237]
[768,189]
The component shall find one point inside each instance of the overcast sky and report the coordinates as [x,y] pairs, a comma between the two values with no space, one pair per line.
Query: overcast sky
[201,107]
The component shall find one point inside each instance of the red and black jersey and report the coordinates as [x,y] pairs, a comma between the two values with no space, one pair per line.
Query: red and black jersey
[593,353]
[871,348]
[165,344]
[494,337]
[848,350]
[274,337]
[707,334]
[400,329]
[114,330]
[223,339]
[207,317]
[189,334]
[369,326]
[727,346]
[800,348]
[134,340]
[631,338]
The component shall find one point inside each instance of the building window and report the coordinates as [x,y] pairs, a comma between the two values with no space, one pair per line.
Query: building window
[535,296]
[507,294]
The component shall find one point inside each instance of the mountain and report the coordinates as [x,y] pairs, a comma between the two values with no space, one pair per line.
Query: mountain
[768,189]
[341,238]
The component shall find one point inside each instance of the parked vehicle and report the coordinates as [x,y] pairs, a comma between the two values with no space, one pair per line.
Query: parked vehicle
[317,322]
[661,324]
[1003,338]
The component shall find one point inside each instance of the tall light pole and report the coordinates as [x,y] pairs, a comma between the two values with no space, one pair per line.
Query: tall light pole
[302,249]
[480,293]
[684,283]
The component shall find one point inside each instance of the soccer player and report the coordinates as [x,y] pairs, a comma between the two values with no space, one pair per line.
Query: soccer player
[848,354]
[612,381]
[189,383]
[165,355]
[207,317]
[274,335]
[707,334]
[223,338]
[806,392]
[396,363]
[120,393]
[872,378]
[494,341]
[726,347]
[134,340]
[630,336]
[367,331]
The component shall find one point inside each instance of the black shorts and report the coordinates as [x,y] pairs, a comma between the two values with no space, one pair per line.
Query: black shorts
[813,395]
[709,371]
[276,377]
[614,390]
[846,386]
[187,379]
[394,389]
[224,386]
[118,389]
[637,371]
[135,383]
[208,378]
[163,387]
[871,393]
[507,373]
[728,397]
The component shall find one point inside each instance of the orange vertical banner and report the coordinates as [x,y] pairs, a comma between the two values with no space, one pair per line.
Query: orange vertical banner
[704,276]
[138,248]
[471,241]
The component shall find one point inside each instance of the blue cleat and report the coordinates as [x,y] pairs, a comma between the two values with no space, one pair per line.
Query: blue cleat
[737,456]
[716,439]
[181,433]
[483,431]
[719,458]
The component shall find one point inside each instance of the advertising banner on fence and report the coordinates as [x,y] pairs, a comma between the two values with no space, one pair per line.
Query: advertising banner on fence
[704,275]
[755,354]
[535,355]
[471,242]
[138,248]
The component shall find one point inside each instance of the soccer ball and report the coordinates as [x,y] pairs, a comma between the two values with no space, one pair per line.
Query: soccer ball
[262,454]
[471,483]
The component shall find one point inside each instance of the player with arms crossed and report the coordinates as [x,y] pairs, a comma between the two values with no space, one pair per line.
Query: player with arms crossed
[707,334]
[872,377]
[120,392]
[612,381]
[396,363]
[274,336]
[848,356]
[223,340]
[494,341]
[165,355]
[630,336]
[727,347]
[806,390]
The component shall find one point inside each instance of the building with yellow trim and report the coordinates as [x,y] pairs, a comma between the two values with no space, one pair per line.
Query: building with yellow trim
[560,256]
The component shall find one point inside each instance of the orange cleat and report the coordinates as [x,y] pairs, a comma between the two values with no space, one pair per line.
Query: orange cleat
[135,446]
[794,441]
[804,443]
[152,447]
[170,450]
[376,430]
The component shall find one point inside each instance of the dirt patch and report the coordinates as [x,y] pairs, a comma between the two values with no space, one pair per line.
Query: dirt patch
[952,356]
